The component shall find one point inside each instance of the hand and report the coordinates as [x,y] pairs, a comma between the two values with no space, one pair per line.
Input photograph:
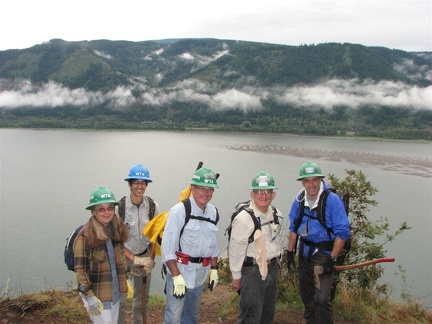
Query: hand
[236,285]
[214,279]
[179,287]
[144,261]
[329,265]
[94,306]
[147,271]
[137,271]
[291,265]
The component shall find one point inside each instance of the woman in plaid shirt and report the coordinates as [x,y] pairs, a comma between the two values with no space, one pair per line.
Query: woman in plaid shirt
[99,260]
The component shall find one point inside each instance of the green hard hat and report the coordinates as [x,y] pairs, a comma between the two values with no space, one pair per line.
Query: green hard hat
[204,177]
[101,196]
[310,170]
[263,180]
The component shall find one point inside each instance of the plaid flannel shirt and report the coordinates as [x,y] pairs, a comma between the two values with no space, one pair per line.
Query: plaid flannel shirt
[93,269]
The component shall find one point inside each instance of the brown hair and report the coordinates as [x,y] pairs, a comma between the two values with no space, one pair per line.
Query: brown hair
[97,234]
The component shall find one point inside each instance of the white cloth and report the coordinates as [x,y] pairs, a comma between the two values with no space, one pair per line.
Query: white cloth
[261,253]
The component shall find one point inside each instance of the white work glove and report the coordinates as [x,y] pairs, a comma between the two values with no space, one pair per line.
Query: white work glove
[94,306]
[144,261]
[179,287]
[214,279]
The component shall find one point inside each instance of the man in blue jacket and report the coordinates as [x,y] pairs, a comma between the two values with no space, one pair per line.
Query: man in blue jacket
[319,244]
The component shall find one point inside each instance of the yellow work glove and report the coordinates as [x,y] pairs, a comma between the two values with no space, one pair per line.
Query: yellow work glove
[130,291]
[94,306]
[179,287]
[214,279]
[144,261]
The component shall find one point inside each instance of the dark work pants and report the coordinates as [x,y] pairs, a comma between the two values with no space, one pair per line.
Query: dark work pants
[318,306]
[257,296]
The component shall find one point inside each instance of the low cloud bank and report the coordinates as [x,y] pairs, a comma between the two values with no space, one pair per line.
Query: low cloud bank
[351,93]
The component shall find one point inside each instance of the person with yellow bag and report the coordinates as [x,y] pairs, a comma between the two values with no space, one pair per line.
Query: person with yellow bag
[190,249]
[155,227]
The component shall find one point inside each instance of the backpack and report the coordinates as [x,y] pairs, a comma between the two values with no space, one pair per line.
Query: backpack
[68,250]
[121,207]
[257,226]
[321,212]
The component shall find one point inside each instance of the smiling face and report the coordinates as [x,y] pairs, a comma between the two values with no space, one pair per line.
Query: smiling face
[262,198]
[137,189]
[104,213]
[312,186]
[202,195]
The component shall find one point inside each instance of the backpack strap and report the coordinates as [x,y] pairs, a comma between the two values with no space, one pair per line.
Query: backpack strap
[121,207]
[257,224]
[187,205]
[275,218]
[298,219]
[152,207]
[322,210]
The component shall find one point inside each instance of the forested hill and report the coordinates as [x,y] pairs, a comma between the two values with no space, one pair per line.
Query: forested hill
[325,89]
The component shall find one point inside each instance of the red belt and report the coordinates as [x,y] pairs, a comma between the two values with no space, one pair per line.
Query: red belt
[185,259]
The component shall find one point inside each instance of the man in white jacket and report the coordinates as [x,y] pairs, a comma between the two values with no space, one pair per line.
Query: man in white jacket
[190,248]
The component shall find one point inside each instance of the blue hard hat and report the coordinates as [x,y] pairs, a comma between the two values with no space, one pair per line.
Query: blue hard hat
[140,172]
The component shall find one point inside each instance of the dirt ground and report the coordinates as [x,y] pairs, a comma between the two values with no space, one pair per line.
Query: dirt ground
[212,303]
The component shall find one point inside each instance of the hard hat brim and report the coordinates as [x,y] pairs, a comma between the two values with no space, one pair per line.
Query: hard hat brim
[262,187]
[90,206]
[314,175]
[200,184]
[138,178]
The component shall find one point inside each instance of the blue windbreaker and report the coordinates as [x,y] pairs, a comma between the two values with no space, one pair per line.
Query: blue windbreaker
[311,229]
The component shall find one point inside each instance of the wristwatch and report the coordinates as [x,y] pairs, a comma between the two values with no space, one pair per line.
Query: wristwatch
[334,259]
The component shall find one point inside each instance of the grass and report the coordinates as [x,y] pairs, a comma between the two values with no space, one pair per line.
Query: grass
[352,304]
[364,306]
[357,307]
[66,307]
[57,305]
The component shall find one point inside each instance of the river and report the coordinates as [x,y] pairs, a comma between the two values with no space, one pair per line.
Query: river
[46,177]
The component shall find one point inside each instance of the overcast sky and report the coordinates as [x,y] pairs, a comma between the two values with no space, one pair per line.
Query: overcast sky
[398,24]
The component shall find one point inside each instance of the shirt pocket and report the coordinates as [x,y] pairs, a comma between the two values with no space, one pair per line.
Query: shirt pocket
[99,255]
[119,256]
[212,235]
[192,233]
[131,225]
